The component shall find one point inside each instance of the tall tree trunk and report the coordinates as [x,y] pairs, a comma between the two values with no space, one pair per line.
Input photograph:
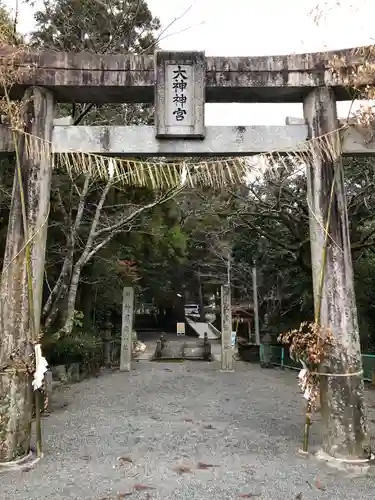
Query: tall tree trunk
[84,258]
[61,291]
[16,335]
[71,301]
[58,289]
[51,307]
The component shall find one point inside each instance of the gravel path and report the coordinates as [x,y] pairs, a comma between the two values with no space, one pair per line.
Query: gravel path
[173,421]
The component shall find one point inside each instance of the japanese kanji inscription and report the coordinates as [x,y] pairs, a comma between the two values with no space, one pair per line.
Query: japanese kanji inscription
[179,98]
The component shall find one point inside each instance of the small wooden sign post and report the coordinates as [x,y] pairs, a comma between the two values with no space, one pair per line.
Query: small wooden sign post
[181,329]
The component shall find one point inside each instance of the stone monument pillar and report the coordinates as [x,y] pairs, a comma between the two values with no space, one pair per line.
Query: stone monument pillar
[227,361]
[127,329]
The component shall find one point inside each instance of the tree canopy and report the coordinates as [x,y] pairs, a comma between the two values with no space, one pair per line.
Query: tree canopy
[109,26]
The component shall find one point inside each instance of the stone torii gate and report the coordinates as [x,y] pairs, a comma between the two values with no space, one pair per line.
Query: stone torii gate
[180,83]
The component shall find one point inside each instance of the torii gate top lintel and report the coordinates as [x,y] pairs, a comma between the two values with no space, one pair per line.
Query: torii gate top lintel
[86,77]
[179,84]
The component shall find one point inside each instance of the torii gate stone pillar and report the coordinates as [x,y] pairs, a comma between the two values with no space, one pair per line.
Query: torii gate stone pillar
[16,331]
[342,389]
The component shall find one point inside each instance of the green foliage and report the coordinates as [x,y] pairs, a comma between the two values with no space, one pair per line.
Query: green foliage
[8,28]
[159,250]
[77,348]
[273,229]
[103,27]
[78,320]
[206,218]
[106,26]
[364,272]
[6,182]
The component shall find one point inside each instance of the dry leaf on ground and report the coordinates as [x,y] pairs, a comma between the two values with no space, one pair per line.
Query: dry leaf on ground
[319,485]
[202,465]
[249,469]
[142,487]
[249,495]
[182,469]
[125,460]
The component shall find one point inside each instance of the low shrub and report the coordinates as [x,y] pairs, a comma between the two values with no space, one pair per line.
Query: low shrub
[84,348]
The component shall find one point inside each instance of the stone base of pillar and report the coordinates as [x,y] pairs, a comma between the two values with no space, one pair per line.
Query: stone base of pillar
[355,466]
[22,464]
[265,364]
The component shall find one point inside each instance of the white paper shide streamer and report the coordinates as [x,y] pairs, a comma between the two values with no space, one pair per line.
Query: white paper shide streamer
[303,378]
[40,368]
[183,177]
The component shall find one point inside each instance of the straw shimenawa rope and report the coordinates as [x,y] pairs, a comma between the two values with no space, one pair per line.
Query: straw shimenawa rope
[167,174]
